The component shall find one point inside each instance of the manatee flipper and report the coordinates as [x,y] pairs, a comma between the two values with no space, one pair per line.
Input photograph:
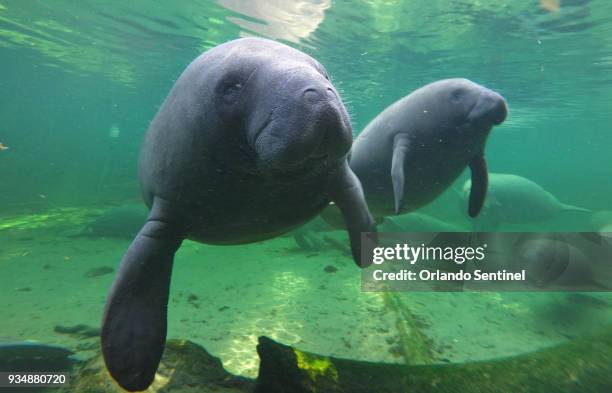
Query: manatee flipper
[347,194]
[134,322]
[480,182]
[401,144]
[301,241]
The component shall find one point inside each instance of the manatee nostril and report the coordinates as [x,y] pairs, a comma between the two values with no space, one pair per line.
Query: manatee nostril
[311,94]
[331,93]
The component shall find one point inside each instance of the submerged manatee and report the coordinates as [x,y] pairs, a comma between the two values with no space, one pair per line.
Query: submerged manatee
[250,143]
[121,221]
[514,199]
[418,222]
[562,260]
[601,222]
[415,149]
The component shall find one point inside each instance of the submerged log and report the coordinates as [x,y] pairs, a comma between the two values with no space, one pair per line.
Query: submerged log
[185,368]
[583,365]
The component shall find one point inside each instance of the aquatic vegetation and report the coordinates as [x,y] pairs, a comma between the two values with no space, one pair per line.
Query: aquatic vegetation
[413,345]
[49,219]
[316,366]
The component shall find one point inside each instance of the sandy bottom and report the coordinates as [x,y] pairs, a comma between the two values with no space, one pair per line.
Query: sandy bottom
[225,297]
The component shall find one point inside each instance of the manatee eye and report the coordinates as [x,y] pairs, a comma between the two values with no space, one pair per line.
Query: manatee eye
[231,91]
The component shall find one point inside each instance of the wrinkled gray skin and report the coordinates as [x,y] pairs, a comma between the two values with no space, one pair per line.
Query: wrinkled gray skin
[411,152]
[250,143]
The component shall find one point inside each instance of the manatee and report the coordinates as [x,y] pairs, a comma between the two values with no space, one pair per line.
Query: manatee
[307,237]
[514,199]
[251,142]
[562,261]
[601,219]
[418,222]
[544,258]
[121,222]
[412,151]
[601,222]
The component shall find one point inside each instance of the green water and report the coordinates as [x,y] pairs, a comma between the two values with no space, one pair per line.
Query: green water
[81,81]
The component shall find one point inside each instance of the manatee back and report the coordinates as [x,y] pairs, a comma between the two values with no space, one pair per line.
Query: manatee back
[520,200]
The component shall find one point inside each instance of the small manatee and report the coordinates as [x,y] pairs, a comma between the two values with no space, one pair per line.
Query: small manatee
[514,199]
[121,222]
[417,147]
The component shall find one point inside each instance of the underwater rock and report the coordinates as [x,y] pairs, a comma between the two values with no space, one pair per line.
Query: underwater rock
[18,355]
[330,269]
[583,365]
[184,368]
[121,222]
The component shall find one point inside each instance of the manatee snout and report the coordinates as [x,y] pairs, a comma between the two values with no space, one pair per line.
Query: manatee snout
[329,130]
[490,107]
[310,124]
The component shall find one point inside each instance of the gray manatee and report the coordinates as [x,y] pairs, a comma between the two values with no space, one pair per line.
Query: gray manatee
[601,222]
[251,142]
[414,150]
[121,222]
[417,222]
[563,261]
[514,199]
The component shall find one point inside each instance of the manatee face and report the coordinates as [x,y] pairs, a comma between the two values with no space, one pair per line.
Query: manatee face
[290,114]
[544,260]
[467,110]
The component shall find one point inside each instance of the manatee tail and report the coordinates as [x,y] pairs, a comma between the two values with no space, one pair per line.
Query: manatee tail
[572,208]
[134,323]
